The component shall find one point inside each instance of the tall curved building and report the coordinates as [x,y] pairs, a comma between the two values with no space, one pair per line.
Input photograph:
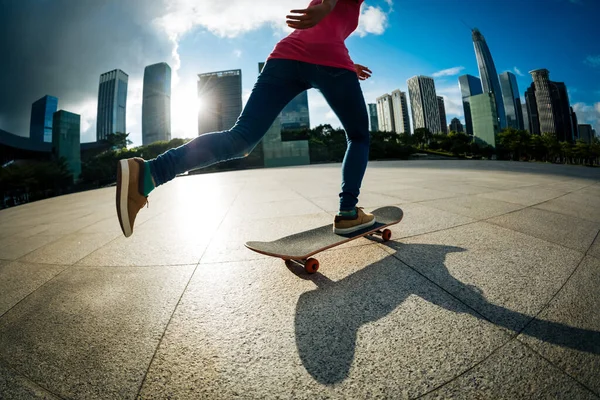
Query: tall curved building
[156,106]
[488,74]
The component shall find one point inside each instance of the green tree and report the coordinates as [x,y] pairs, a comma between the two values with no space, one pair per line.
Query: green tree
[553,148]
[118,140]
[421,136]
[537,148]
[515,142]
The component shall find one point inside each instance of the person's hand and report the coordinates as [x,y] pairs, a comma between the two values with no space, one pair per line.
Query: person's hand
[363,72]
[308,17]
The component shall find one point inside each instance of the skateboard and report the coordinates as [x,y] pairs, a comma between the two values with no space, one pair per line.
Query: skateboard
[301,246]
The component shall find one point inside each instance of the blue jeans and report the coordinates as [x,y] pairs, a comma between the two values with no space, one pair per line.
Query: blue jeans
[280,82]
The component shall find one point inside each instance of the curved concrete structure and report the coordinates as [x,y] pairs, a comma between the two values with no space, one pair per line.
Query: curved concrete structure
[489,289]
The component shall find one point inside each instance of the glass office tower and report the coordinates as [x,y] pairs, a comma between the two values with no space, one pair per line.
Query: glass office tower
[512,101]
[66,138]
[42,112]
[488,74]
[485,120]
[469,86]
[156,104]
[373,117]
[112,104]
[221,97]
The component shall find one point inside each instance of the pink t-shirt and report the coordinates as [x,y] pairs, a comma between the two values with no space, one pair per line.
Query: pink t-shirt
[323,44]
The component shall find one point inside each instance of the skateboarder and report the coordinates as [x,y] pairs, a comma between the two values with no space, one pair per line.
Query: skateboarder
[314,55]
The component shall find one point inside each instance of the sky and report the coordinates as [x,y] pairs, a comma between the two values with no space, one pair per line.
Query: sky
[60,48]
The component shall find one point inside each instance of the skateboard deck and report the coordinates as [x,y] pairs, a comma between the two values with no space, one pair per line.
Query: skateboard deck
[301,246]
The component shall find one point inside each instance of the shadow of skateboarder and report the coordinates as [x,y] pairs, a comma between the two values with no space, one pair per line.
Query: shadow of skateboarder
[328,318]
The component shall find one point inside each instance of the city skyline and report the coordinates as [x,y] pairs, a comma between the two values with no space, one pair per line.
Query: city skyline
[391,41]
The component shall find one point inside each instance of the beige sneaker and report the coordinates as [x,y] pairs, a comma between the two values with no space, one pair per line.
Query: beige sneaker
[345,225]
[129,197]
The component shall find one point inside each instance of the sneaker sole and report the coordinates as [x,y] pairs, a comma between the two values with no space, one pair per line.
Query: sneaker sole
[354,228]
[122,194]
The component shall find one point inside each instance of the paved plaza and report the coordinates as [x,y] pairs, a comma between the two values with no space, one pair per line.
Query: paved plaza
[489,289]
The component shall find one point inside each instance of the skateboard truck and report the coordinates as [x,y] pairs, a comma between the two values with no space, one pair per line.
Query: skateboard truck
[311,265]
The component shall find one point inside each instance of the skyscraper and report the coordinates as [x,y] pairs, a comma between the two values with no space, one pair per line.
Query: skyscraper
[485,120]
[532,111]
[562,111]
[156,105]
[66,139]
[385,113]
[112,104]
[424,104]
[541,83]
[512,101]
[42,111]
[443,120]
[295,114]
[456,126]
[221,96]
[278,153]
[488,74]
[574,124]
[553,107]
[526,122]
[586,133]
[469,86]
[373,120]
[400,109]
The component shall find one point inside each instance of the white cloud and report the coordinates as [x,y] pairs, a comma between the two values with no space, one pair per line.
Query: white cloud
[593,61]
[237,53]
[452,101]
[448,72]
[372,20]
[518,71]
[588,114]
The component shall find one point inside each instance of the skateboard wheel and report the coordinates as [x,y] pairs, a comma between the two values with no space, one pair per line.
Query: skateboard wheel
[386,235]
[311,265]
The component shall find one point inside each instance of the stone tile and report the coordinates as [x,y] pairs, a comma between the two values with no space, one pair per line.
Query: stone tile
[16,387]
[551,227]
[275,209]
[419,219]
[19,279]
[414,194]
[18,248]
[569,186]
[456,187]
[567,332]
[228,240]
[505,275]
[500,183]
[148,247]
[366,327]
[473,206]
[107,226]
[367,200]
[91,333]
[595,248]
[513,372]
[578,204]
[258,196]
[69,249]
[524,196]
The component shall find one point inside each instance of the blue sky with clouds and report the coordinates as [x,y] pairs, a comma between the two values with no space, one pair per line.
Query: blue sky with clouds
[397,39]
[431,37]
